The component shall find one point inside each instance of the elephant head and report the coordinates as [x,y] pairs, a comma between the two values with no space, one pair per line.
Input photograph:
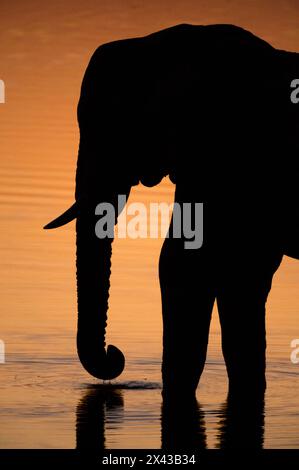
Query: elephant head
[107,167]
[96,181]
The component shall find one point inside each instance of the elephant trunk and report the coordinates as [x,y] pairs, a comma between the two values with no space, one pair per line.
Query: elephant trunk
[93,264]
[96,180]
[93,274]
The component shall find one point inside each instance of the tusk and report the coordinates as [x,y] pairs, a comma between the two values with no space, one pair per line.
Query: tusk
[63,219]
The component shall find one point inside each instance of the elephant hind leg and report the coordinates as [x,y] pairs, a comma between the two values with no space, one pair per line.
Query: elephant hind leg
[241,301]
[243,343]
[187,304]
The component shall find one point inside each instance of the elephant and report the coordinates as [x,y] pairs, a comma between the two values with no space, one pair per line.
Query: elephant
[208,106]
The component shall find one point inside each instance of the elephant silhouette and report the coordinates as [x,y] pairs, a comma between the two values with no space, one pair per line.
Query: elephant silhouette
[210,107]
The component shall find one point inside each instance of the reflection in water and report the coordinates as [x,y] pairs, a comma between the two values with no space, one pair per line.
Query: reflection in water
[182,425]
[241,423]
[92,419]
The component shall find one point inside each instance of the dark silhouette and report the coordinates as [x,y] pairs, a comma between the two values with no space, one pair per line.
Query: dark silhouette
[210,107]
[241,423]
[182,425]
[91,416]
